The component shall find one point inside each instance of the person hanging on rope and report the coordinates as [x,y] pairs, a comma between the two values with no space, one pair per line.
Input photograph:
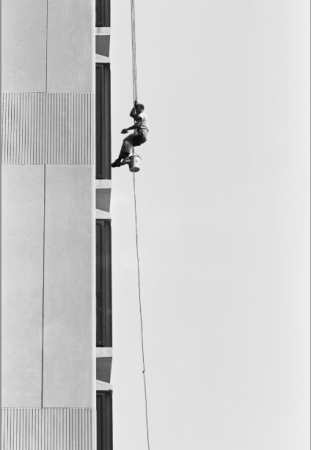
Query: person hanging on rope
[141,127]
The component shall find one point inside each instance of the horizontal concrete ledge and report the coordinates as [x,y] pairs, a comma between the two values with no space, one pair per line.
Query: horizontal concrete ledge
[102,386]
[103,215]
[102,59]
[103,184]
[103,31]
[103,352]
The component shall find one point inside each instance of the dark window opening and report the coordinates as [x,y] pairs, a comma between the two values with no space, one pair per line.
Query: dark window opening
[103,122]
[102,13]
[104,420]
[103,284]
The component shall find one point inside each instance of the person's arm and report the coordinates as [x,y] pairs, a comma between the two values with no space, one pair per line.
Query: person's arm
[133,112]
[133,127]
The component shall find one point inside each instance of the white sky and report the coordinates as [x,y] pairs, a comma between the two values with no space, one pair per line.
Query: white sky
[223,212]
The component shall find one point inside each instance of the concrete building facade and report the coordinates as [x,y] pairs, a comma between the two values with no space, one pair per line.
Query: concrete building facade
[56,227]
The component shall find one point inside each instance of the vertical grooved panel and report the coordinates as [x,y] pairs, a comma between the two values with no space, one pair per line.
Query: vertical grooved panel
[9,125]
[47,429]
[27,127]
[40,128]
[78,127]
[3,128]
[5,125]
[12,125]
[22,132]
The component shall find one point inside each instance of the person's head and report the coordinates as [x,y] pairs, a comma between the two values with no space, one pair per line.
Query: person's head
[139,107]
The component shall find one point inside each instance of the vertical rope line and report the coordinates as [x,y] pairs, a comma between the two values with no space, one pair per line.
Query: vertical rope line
[135,98]
[134,63]
[141,316]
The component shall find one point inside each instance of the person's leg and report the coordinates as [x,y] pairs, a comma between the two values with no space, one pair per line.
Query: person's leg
[139,139]
[127,145]
[125,151]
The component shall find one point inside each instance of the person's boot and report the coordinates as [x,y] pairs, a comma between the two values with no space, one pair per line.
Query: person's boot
[117,163]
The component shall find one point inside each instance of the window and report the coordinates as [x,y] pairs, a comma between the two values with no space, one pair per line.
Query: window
[103,284]
[104,420]
[102,13]
[103,122]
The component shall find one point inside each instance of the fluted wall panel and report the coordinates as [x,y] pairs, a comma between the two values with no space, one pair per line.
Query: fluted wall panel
[43,128]
[47,429]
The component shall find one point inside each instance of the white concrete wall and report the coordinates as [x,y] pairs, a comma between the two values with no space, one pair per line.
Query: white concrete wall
[71,29]
[48,45]
[69,344]
[23,35]
[22,284]
[48,220]
[48,228]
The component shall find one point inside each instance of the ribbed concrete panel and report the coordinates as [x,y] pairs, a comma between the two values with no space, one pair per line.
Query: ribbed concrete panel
[23,39]
[22,285]
[47,429]
[43,128]
[69,291]
[70,49]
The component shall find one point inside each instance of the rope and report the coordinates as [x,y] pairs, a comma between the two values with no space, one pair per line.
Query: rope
[135,97]
[141,316]
[134,63]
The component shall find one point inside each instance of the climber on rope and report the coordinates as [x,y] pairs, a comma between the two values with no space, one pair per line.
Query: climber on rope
[135,139]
